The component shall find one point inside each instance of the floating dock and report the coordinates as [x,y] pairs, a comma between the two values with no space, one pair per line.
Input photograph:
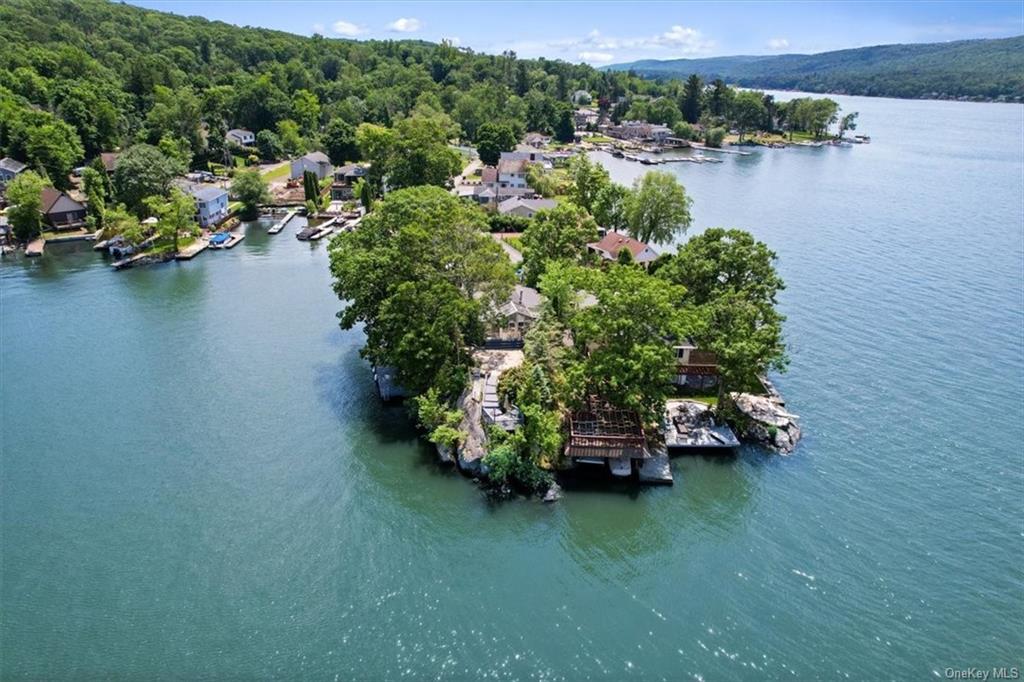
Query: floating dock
[35,248]
[280,225]
[656,469]
[192,250]
[324,230]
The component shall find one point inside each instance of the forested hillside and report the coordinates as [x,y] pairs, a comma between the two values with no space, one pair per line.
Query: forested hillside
[84,76]
[972,69]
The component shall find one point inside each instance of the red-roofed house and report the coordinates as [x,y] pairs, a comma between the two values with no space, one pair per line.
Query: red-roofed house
[613,242]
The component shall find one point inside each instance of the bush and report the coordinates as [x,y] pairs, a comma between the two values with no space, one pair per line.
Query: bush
[714,137]
[507,223]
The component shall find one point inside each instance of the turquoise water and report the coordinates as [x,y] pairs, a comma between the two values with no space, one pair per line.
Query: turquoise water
[198,480]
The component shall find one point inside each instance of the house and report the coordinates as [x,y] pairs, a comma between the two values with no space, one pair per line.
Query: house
[613,242]
[630,130]
[525,154]
[211,204]
[586,117]
[525,208]
[514,318]
[9,168]
[659,133]
[512,173]
[60,211]
[344,178]
[109,160]
[241,137]
[581,97]
[695,368]
[536,140]
[600,433]
[316,162]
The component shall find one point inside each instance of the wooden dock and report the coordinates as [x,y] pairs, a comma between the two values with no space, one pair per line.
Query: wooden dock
[231,242]
[280,225]
[656,469]
[192,250]
[325,229]
[35,248]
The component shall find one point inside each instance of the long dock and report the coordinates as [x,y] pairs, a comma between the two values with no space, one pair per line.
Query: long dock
[325,229]
[281,224]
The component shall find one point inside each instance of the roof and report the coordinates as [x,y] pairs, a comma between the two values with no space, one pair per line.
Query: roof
[9,164]
[50,196]
[109,160]
[351,169]
[206,193]
[613,242]
[489,174]
[317,157]
[512,165]
[602,430]
[240,132]
[513,203]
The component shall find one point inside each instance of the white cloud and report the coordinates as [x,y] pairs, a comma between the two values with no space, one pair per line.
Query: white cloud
[778,44]
[454,40]
[677,41]
[596,57]
[406,25]
[318,28]
[347,28]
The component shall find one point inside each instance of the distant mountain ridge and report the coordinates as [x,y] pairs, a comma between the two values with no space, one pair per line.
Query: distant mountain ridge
[991,69]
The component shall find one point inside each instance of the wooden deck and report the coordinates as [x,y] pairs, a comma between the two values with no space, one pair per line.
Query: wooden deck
[35,248]
[192,250]
[280,225]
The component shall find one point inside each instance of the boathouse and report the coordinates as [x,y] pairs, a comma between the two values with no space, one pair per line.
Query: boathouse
[601,432]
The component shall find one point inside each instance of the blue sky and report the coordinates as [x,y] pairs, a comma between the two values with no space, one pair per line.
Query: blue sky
[607,32]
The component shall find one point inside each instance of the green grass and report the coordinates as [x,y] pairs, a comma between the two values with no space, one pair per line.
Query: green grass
[279,173]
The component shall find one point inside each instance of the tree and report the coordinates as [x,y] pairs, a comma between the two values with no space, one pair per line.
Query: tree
[658,209]
[629,363]
[340,141]
[94,184]
[24,193]
[693,91]
[748,111]
[848,122]
[414,152]
[176,215]
[558,234]
[306,109]
[565,126]
[364,192]
[250,189]
[119,221]
[291,139]
[143,171]
[713,137]
[311,186]
[420,268]
[664,111]
[269,145]
[730,277]
[492,139]
[719,97]
[610,207]
[55,148]
[587,179]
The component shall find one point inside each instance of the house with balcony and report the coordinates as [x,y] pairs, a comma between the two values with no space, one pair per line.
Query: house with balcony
[512,173]
[344,179]
[60,211]
[696,369]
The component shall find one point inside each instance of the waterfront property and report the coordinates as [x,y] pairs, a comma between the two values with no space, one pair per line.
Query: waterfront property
[211,204]
[60,211]
[9,168]
[514,318]
[314,162]
[344,179]
[612,243]
[602,434]
[512,173]
[695,369]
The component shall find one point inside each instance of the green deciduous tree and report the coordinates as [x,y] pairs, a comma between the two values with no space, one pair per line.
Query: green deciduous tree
[95,186]
[658,209]
[24,193]
[291,139]
[492,139]
[558,234]
[250,189]
[177,216]
[587,180]
[340,141]
[143,171]
[748,111]
[611,207]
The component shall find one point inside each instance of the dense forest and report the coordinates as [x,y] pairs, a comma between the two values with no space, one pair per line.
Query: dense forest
[972,69]
[84,76]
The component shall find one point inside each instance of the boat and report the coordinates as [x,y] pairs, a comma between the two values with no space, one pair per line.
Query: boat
[649,162]
[630,157]
[617,153]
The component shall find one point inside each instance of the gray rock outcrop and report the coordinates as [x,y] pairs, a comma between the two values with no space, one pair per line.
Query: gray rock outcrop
[764,419]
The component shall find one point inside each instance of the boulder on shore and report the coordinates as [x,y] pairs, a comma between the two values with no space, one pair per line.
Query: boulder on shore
[764,419]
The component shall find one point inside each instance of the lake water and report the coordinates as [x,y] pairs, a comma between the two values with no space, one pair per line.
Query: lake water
[199,482]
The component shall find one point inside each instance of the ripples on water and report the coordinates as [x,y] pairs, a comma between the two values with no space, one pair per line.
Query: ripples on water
[199,481]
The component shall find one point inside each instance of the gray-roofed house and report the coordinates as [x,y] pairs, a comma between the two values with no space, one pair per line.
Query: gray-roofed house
[9,168]
[211,204]
[525,208]
[241,137]
[60,211]
[317,162]
[514,318]
[344,178]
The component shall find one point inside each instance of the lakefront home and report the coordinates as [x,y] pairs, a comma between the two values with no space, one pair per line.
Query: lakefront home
[695,368]
[60,211]
[613,242]
[315,162]
[211,204]
[512,172]
[344,179]
[9,168]
[514,318]
[241,137]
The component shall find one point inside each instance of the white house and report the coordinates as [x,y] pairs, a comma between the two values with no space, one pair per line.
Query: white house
[317,162]
[660,133]
[512,173]
[241,137]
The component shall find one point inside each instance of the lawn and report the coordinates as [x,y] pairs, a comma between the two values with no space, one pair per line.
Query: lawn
[279,173]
